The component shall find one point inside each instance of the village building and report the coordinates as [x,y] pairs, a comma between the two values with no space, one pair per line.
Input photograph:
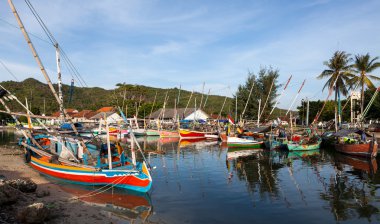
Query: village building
[111,117]
[84,116]
[189,114]
[69,112]
[106,109]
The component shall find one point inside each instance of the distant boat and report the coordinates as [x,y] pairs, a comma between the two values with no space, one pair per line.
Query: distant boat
[139,132]
[303,146]
[152,132]
[189,134]
[236,142]
[212,136]
[169,134]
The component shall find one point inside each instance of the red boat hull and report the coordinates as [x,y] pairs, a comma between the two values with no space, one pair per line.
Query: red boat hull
[362,150]
[187,134]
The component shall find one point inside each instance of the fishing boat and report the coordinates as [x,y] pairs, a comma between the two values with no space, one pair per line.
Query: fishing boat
[190,134]
[66,159]
[214,136]
[354,142]
[169,134]
[303,145]
[152,132]
[275,142]
[139,131]
[236,142]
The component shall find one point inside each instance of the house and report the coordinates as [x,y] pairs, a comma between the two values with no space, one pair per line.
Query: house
[112,117]
[183,114]
[106,109]
[69,112]
[84,116]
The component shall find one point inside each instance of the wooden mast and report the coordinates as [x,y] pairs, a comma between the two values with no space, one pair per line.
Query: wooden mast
[42,68]
[60,96]
[34,52]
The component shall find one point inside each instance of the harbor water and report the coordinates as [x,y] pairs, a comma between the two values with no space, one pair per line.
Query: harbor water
[201,182]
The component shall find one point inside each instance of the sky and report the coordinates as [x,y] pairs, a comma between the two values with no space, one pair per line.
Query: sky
[171,43]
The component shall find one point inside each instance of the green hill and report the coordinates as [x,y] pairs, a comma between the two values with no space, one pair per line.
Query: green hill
[124,95]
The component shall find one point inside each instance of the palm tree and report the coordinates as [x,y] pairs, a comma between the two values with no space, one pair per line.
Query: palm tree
[362,66]
[339,74]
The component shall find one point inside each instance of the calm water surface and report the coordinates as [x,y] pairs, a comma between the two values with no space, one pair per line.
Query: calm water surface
[200,182]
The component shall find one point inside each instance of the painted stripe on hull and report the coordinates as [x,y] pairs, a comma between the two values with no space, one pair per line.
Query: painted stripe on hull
[191,134]
[128,180]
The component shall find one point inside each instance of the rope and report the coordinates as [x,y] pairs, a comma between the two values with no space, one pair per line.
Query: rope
[99,191]
[9,71]
[72,68]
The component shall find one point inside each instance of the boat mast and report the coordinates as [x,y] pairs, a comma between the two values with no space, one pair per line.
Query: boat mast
[258,114]
[278,99]
[204,105]
[60,96]
[108,143]
[184,112]
[203,88]
[34,52]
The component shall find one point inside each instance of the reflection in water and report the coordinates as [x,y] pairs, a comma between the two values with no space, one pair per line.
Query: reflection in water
[124,204]
[351,191]
[200,181]
[7,137]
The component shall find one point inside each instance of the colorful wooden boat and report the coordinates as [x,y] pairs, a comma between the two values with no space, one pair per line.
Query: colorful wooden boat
[189,134]
[152,132]
[169,134]
[123,173]
[354,142]
[362,150]
[212,136]
[139,132]
[302,146]
[236,142]
[275,143]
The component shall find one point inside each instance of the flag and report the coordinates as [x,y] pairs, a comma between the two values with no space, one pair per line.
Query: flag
[230,119]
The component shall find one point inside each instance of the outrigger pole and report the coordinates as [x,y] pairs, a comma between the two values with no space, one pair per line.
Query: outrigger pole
[266,101]
[246,103]
[324,104]
[298,93]
[278,100]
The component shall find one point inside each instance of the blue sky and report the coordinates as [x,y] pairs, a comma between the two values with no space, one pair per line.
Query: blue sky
[168,43]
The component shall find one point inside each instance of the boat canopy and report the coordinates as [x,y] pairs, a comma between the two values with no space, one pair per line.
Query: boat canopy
[346,132]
